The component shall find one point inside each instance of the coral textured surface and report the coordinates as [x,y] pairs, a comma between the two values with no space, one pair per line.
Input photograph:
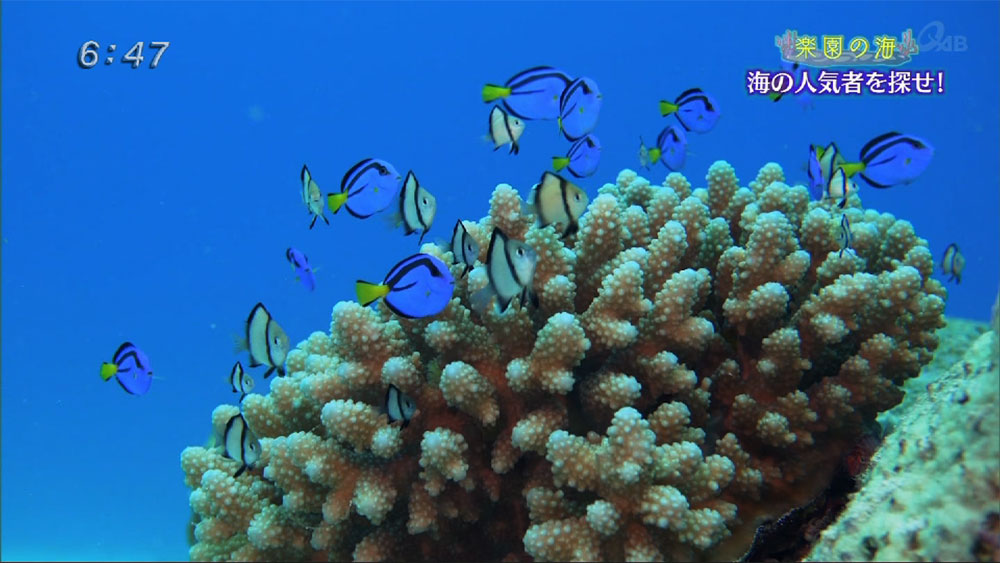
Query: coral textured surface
[932,492]
[700,359]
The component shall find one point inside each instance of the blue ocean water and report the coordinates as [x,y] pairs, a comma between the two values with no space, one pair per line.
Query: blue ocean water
[155,205]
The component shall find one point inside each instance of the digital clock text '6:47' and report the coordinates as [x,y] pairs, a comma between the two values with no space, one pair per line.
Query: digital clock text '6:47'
[89,54]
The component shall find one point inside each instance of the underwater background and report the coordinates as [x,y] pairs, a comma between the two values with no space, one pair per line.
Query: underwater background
[155,205]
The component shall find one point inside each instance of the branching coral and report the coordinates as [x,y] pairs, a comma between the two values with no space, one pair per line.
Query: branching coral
[698,360]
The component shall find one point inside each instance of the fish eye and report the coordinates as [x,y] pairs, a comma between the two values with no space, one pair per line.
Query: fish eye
[520,252]
[577,196]
[425,201]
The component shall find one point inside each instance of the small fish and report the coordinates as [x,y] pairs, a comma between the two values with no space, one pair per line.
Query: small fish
[803,98]
[312,197]
[399,406]
[892,159]
[417,208]
[579,108]
[241,444]
[303,271]
[953,263]
[830,158]
[266,341]
[845,238]
[131,367]
[671,146]
[816,184]
[368,187]
[696,110]
[582,158]
[240,381]
[530,94]
[464,248]
[559,202]
[510,267]
[840,187]
[505,129]
[418,286]
[645,158]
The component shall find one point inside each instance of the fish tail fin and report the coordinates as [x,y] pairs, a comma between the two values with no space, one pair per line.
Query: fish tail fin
[108,370]
[240,344]
[666,108]
[852,168]
[559,162]
[393,220]
[493,92]
[335,201]
[480,299]
[654,155]
[368,293]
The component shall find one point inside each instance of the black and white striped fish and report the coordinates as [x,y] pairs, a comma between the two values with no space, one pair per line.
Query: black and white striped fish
[840,187]
[398,405]
[505,128]
[266,341]
[510,267]
[240,381]
[559,202]
[953,263]
[464,248]
[417,207]
[312,197]
[241,443]
[845,238]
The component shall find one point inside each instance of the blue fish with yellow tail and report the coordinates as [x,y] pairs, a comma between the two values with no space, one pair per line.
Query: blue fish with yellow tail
[530,94]
[370,186]
[418,286]
[892,159]
[131,367]
[582,158]
[696,110]
[672,145]
[579,108]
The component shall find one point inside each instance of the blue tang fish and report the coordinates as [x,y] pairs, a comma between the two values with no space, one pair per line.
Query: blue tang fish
[816,184]
[892,159]
[368,187]
[418,286]
[131,367]
[300,263]
[696,110]
[582,158]
[671,147]
[579,108]
[530,94]
[803,98]
[672,144]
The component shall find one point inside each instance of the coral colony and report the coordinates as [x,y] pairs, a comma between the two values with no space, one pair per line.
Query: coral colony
[699,360]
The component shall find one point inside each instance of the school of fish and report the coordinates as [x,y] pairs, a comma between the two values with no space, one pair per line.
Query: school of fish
[420,285]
